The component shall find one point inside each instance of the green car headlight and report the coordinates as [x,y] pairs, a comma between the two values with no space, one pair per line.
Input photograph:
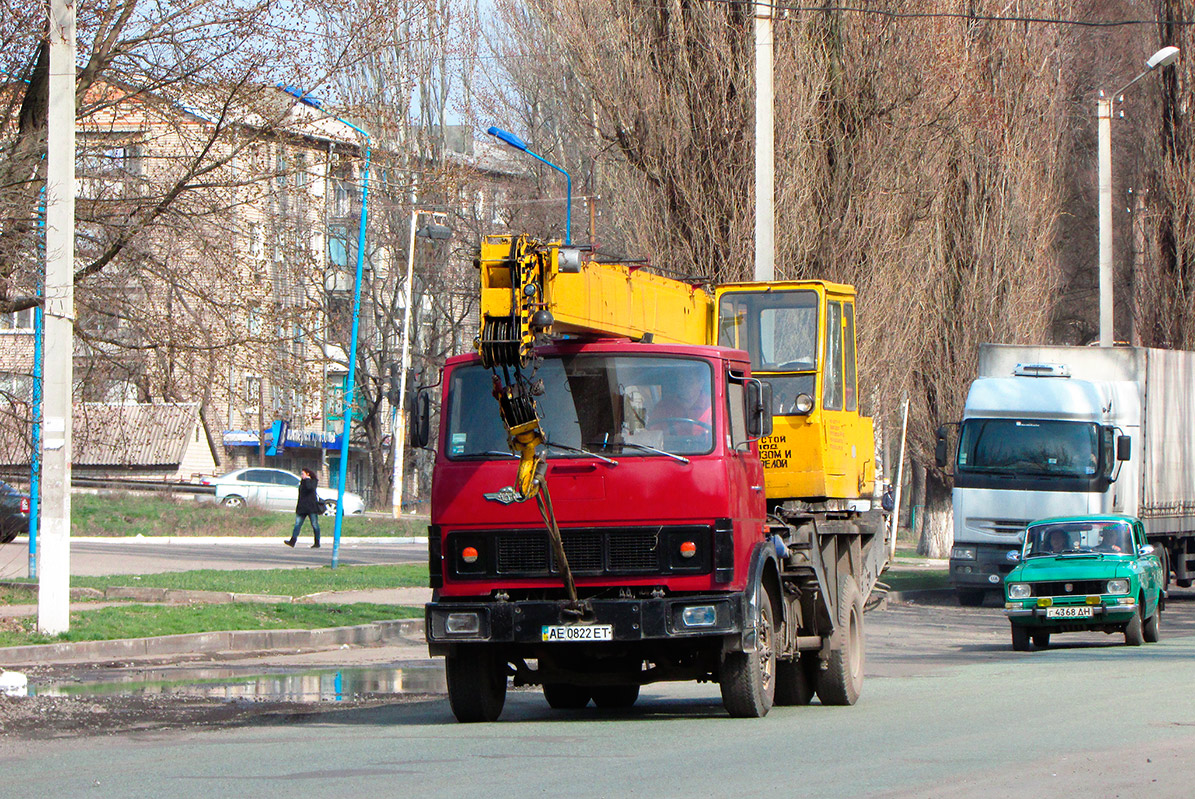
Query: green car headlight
[1117,587]
[1019,591]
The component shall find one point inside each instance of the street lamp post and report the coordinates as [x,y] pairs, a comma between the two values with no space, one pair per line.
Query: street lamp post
[349,387]
[517,143]
[439,232]
[1161,58]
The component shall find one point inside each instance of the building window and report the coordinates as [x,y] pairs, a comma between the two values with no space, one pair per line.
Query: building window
[338,246]
[20,321]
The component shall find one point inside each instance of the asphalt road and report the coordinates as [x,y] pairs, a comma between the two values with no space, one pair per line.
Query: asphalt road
[948,710]
[103,556]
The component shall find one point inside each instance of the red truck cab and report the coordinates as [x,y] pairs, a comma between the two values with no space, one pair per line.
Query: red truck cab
[657,486]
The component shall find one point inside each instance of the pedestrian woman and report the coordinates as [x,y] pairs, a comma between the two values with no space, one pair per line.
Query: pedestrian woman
[307,508]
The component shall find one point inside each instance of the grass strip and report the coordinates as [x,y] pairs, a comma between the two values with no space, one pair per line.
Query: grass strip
[119,514]
[278,582]
[919,580]
[141,621]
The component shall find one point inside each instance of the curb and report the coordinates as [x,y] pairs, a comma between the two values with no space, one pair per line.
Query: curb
[243,641]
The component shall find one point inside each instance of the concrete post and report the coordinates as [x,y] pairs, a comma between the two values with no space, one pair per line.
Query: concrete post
[53,598]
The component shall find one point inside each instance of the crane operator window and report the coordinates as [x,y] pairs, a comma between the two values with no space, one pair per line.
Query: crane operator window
[779,330]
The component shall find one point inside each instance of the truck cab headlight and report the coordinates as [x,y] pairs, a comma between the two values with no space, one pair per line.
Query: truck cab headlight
[1019,591]
[962,553]
[1118,587]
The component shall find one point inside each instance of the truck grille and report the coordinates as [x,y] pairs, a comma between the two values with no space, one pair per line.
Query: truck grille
[590,551]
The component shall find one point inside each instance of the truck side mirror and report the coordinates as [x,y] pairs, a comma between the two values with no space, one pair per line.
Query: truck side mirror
[940,448]
[419,433]
[1124,448]
[759,408]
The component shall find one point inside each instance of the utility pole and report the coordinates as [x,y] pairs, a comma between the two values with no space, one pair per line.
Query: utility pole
[765,157]
[53,597]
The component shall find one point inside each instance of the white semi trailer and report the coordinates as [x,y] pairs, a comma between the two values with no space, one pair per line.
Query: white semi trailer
[1054,431]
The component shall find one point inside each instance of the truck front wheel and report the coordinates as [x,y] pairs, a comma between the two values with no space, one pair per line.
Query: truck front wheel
[476,683]
[842,680]
[748,679]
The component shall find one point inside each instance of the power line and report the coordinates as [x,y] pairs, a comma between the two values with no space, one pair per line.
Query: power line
[880,12]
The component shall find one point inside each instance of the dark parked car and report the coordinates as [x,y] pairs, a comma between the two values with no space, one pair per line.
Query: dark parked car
[14,513]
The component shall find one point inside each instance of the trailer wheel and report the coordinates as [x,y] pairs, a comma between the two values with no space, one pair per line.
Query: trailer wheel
[1041,639]
[748,679]
[615,696]
[1150,630]
[565,696]
[842,680]
[795,679]
[1020,638]
[1134,631]
[476,683]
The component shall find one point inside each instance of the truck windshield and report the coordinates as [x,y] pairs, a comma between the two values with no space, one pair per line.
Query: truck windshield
[1029,447]
[595,402]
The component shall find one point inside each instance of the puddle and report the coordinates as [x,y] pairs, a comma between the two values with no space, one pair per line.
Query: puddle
[216,683]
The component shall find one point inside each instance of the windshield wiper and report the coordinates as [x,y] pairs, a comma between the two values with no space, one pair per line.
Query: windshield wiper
[656,450]
[568,448]
[504,453]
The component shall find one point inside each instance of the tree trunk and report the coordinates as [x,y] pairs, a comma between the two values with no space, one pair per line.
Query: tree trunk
[937,527]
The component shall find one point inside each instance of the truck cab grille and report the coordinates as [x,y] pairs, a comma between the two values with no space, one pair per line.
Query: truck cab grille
[590,551]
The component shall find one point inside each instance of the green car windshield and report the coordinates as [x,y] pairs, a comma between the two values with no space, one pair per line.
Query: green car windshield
[1066,538]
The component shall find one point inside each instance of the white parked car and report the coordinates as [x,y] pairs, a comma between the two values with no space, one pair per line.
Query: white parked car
[273,489]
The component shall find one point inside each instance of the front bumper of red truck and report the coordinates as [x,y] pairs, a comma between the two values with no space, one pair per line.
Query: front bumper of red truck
[555,622]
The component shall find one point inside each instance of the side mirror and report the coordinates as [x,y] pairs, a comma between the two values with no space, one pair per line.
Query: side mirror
[1124,448]
[940,448]
[759,408]
[419,433]
[1148,549]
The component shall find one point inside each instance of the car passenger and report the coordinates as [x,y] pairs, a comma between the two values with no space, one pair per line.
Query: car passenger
[1113,540]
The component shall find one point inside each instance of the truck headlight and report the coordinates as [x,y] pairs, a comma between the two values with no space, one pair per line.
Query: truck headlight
[962,553]
[1019,591]
[1117,587]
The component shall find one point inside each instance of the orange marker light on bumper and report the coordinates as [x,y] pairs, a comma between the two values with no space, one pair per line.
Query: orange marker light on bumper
[688,549]
[469,554]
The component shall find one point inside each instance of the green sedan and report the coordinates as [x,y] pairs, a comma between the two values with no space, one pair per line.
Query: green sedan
[1085,573]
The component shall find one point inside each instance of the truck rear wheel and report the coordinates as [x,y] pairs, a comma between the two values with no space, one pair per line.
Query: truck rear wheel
[796,679]
[563,696]
[476,683]
[842,680]
[748,679]
[615,696]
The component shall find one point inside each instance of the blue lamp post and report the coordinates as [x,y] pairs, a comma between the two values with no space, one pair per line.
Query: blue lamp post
[349,386]
[517,143]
